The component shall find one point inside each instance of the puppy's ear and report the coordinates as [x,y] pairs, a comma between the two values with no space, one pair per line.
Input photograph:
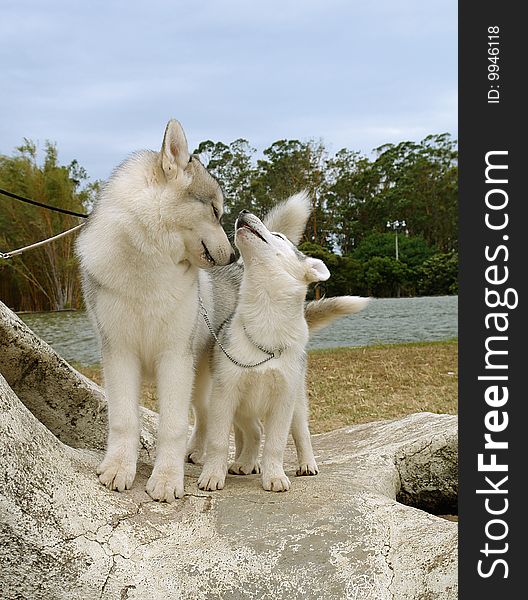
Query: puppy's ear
[290,217]
[174,150]
[316,270]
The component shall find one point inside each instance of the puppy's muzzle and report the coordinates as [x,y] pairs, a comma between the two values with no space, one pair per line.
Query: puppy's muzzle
[244,221]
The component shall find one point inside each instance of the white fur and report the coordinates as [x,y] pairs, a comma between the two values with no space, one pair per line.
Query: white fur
[270,313]
[292,222]
[140,256]
[320,313]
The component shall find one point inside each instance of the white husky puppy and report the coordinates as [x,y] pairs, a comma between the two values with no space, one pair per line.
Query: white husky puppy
[156,222]
[259,363]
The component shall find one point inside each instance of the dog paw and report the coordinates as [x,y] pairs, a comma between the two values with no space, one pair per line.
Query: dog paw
[117,472]
[276,483]
[195,453]
[194,457]
[307,468]
[238,468]
[165,485]
[212,479]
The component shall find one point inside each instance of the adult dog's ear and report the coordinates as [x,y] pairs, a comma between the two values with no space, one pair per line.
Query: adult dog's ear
[316,270]
[174,150]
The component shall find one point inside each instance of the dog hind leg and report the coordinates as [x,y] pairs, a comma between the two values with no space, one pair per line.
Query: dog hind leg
[248,431]
[301,435]
[239,440]
[200,400]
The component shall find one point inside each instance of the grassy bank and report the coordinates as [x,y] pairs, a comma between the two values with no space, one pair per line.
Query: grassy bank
[356,385]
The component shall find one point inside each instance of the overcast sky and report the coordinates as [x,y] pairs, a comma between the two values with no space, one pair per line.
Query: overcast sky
[102,78]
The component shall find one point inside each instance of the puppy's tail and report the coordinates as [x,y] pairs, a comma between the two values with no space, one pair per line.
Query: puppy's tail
[290,217]
[320,313]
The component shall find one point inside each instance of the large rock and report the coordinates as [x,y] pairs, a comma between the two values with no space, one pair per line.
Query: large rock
[66,402]
[342,534]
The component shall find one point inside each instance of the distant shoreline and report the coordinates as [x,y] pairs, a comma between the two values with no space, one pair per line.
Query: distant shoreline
[384,321]
[45,312]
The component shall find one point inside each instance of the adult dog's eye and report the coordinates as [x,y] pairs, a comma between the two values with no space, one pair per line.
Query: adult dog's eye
[215,212]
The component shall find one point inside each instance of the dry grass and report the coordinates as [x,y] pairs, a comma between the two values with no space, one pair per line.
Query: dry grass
[356,385]
[148,391]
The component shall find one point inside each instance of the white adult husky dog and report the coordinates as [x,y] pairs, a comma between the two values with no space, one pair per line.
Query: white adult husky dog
[259,364]
[156,222]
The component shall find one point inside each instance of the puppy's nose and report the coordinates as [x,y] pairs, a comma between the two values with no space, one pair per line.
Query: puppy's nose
[232,258]
[243,212]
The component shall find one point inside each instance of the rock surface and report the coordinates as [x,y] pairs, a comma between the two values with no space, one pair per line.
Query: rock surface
[341,534]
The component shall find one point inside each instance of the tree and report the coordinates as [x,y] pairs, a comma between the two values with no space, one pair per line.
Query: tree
[386,276]
[418,183]
[291,166]
[233,168]
[353,197]
[413,249]
[47,277]
[350,198]
[438,275]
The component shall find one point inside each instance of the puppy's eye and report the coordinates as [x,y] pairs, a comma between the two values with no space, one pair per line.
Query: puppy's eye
[278,235]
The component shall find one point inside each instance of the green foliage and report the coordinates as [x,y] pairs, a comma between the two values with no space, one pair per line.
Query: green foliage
[290,166]
[353,197]
[439,275]
[45,278]
[386,276]
[412,181]
[347,273]
[412,250]
[418,183]
[232,167]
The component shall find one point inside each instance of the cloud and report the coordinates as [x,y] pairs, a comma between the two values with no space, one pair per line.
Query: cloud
[101,79]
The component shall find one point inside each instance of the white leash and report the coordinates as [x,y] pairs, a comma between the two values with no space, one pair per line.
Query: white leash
[7,255]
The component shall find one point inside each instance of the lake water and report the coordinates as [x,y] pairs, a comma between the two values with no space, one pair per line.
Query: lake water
[384,321]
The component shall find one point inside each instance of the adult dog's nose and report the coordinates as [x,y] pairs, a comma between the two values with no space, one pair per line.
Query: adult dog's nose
[232,258]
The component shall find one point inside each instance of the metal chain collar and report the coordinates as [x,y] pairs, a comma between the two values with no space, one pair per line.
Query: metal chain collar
[271,354]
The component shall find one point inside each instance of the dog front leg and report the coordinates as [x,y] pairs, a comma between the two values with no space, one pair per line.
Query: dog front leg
[175,374]
[301,435]
[122,374]
[222,407]
[277,427]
